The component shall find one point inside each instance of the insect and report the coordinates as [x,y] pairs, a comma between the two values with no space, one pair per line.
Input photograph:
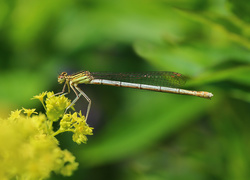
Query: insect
[161,81]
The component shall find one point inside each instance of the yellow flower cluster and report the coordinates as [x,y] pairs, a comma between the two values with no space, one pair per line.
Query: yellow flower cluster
[28,147]
[77,125]
[55,106]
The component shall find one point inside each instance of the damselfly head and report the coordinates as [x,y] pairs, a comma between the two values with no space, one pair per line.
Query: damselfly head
[62,77]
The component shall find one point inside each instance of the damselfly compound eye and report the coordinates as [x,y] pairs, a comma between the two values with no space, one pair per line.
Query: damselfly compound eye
[62,77]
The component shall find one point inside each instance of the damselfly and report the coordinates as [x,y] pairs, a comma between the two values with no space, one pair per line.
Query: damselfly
[162,81]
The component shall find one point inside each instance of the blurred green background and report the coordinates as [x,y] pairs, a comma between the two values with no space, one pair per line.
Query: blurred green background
[139,135]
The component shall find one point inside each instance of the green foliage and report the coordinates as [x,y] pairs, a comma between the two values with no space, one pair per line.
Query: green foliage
[140,134]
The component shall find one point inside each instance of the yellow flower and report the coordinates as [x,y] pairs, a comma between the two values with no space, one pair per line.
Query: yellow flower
[29,111]
[70,166]
[29,152]
[81,129]
[40,96]
[49,94]
[15,114]
[65,122]
[55,106]
[31,149]
[41,123]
